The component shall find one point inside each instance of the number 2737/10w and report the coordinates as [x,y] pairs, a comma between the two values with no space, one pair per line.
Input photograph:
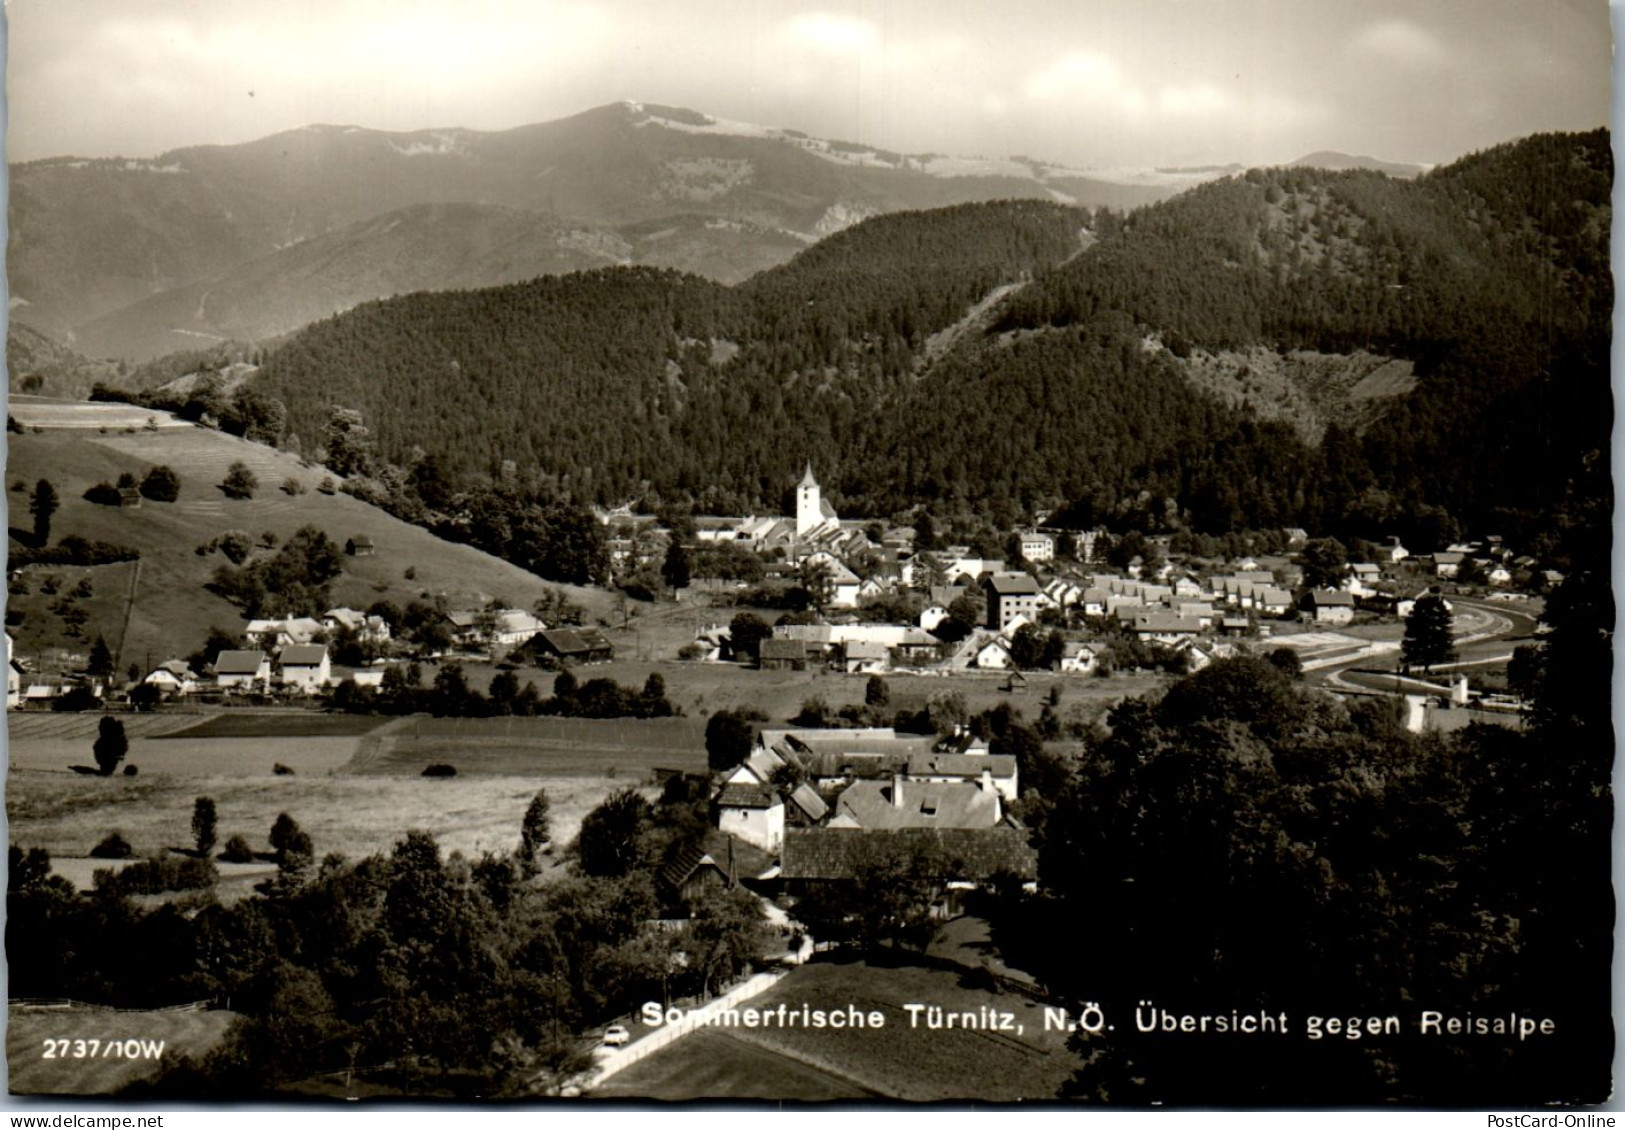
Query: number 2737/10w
[102,1049]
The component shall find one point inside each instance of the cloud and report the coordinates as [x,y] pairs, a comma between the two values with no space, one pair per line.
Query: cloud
[1400,41]
[833,33]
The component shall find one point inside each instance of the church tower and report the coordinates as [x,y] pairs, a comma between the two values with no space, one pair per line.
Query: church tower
[809,507]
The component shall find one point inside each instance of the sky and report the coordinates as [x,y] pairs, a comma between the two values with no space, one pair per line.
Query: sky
[1087,83]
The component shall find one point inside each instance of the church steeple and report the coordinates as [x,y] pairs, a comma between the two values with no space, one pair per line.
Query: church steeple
[809,504]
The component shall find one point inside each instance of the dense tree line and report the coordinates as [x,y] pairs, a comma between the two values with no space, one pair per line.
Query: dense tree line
[1244,844]
[436,975]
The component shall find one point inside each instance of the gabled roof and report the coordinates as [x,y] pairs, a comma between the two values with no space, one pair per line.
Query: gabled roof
[305,655]
[925,804]
[781,649]
[576,641]
[239,662]
[1325,598]
[966,765]
[975,854]
[685,863]
[746,796]
[1013,584]
[806,798]
[859,649]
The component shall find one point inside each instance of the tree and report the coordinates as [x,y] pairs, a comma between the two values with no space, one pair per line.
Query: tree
[1324,562]
[536,832]
[240,482]
[727,740]
[349,443]
[1026,647]
[819,581]
[111,745]
[1428,639]
[745,635]
[203,824]
[675,568]
[42,505]
[291,843]
[610,843]
[876,693]
[100,664]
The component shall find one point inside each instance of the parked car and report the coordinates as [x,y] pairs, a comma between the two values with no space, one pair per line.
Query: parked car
[616,1036]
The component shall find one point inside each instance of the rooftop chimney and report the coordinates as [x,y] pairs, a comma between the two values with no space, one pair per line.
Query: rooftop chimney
[897,790]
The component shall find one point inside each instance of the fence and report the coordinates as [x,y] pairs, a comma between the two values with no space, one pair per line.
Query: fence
[612,1062]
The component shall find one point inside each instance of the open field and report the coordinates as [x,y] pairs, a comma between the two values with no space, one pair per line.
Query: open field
[68,814]
[191,757]
[284,724]
[33,726]
[626,748]
[28,1029]
[173,610]
[894,1061]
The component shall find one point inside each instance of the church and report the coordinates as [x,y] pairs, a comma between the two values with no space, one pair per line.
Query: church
[816,528]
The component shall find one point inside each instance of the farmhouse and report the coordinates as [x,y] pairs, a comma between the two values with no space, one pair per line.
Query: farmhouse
[866,658]
[507,627]
[751,811]
[577,645]
[281,633]
[1077,658]
[782,655]
[691,874]
[966,858]
[172,677]
[907,803]
[369,629]
[243,670]
[306,668]
[983,769]
[360,546]
[1329,606]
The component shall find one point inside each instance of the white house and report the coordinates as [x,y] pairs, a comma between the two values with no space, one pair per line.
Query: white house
[1329,606]
[172,677]
[753,812]
[932,617]
[994,656]
[1037,547]
[243,670]
[282,633]
[369,629]
[1077,658]
[306,668]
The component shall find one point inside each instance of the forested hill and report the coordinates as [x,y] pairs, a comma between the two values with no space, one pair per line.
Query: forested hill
[620,381]
[1490,274]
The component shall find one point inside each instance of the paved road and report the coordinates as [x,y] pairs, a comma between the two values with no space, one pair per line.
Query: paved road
[1488,633]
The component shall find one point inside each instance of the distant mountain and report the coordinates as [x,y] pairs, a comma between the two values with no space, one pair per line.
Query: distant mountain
[191,229]
[1331,159]
[1339,350]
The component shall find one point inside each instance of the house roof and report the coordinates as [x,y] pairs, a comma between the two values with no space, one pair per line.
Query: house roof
[967,853]
[925,804]
[576,641]
[806,798]
[746,796]
[239,662]
[306,655]
[966,765]
[1325,598]
[860,649]
[1166,622]
[1275,596]
[1013,584]
[682,865]
[361,540]
[782,649]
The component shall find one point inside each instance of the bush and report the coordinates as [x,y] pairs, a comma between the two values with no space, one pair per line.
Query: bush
[154,876]
[161,484]
[691,651]
[281,770]
[103,494]
[240,482]
[131,770]
[440,769]
[237,851]
[326,485]
[114,846]
[292,486]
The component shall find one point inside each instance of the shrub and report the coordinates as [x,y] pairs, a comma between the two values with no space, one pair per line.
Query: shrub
[237,851]
[113,846]
[161,484]
[292,486]
[440,769]
[281,770]
[240,482]
[691,651]
[131,770]
[326,485]
[103,494]
[154,876]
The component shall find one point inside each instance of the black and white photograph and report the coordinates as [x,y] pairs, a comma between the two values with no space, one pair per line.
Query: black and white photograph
[586,554]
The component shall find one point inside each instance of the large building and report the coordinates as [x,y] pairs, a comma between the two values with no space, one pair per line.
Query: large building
[813,511]
[1010,595]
